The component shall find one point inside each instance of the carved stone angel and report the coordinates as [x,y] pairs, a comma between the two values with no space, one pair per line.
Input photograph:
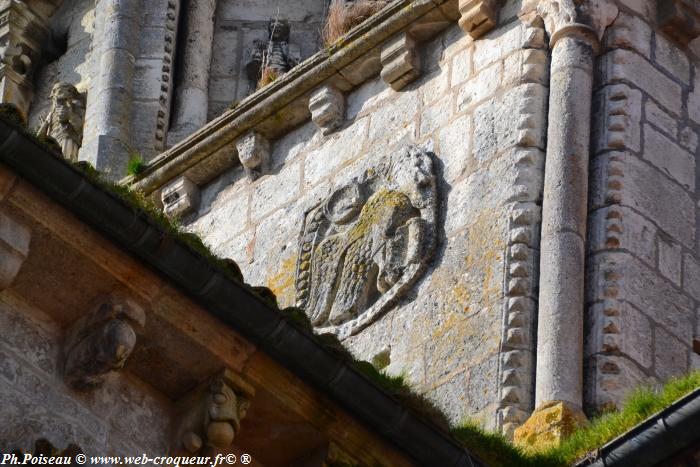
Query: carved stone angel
[64,122]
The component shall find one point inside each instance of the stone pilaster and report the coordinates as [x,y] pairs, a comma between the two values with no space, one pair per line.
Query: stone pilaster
[180,197]
[192,96]
[108,126]
[254,154]
[22,34]
[478,16]
[14,248]
[400,61]
[327,106]
[210,416]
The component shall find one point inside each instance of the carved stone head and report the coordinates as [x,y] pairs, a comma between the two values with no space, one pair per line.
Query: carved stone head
[64,123]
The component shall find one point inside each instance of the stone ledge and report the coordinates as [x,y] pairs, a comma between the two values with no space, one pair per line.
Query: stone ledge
[283,105]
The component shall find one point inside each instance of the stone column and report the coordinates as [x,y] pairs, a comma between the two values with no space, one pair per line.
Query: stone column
[559,372]
[108,116]
[192,94]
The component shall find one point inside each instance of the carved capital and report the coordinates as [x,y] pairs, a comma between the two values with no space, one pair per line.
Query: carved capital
[679,19]
[327,106]
[254,154]
[14,248]
[101,342]
[585,20]
[400,61]
[180,197]
[478,16]
[210,416]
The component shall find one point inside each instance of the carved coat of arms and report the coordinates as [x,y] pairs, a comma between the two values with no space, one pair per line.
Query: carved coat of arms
[366,244]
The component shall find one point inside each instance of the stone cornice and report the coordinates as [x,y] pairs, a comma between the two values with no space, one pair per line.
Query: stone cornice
[279,107]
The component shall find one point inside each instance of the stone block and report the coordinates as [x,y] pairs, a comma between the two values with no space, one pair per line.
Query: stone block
[435,116]
[517,118]
[629,32]
[393,122]
[691,276]
[526,66]
[619,227]
[180,197]
[434,86]
[222,89]
[454,140]
[14,248]
[624,65]
[336,150]
[660,119]
[621,178]
[549,425]
[672,58]
[275,190]
[619,111]
[670,158]
[670,260]
[672,355]
[480,87]
[148,78]
[226,43]
[256,11]
[327,107]
[461,66]
[400,61]
[688,138]
[505,41]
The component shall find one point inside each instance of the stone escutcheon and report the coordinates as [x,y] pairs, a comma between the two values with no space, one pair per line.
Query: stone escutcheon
[364,246]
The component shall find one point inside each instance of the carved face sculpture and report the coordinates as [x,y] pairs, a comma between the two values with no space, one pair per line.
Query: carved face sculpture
[66,105]
[358,254]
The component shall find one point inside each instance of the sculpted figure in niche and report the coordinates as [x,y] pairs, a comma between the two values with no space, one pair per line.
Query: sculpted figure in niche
[64,123]
[367,243]
[271,59]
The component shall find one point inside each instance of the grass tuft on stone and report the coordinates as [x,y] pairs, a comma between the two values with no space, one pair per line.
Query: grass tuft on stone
[343,16]
[136,165]
[641,404]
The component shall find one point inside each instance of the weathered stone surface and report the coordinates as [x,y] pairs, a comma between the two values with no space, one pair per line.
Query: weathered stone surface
[672,58]
[619,113]
[680,19]
[619,227]
[691,276]
[374,236]
[254,154]
[272,192]
[14,248]
[629,32]
[660,119]
[669,158]
[549,425]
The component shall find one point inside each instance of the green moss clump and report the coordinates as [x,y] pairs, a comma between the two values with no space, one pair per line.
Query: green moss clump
[136,165]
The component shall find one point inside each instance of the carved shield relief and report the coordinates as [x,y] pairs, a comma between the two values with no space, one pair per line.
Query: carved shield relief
[367,243]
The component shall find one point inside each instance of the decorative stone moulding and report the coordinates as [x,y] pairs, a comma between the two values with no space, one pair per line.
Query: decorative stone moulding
[400,61]
[210,417]
[679,19]
[254,154]
[101,342]
[14,248]
[166,87]
[180,197]
[366,244]
[327,106]
[478,16]
[22,36]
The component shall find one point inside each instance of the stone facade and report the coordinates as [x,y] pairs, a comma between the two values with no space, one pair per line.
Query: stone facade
[586,261]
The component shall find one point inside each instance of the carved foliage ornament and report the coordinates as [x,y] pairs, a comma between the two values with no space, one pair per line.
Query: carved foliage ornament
[366,244]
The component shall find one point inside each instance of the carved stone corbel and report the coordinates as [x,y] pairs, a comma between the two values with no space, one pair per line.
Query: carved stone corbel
[327,106]
[14,248]
[400,61]
[180,197]
[101,342]
[679,19]
[254,154]
[210,416]
[478,16]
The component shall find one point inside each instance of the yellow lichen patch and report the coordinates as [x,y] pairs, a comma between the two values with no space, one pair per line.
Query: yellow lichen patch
[281,282]
[548,426]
